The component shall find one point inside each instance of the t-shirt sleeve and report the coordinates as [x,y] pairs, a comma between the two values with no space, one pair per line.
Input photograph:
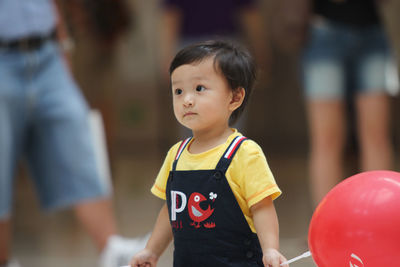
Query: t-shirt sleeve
[160,184]
[254,175]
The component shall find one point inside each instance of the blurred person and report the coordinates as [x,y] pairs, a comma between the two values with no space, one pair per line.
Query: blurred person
[186,21]
[189,21]
[44,119]
[347,57]
[217,185]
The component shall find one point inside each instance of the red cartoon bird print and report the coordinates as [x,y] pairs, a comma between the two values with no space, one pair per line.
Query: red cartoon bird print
[195,212]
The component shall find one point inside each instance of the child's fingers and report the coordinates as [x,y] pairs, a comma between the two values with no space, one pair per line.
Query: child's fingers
[283,259]
[135,262]
[275,262]
[144,263]
[272,262]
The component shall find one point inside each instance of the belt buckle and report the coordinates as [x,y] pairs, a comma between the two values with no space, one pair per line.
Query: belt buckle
[24,45]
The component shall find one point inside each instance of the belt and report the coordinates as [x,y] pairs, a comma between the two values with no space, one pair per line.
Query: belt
[29,43]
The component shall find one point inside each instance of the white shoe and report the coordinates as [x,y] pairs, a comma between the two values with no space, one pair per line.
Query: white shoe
[119,250]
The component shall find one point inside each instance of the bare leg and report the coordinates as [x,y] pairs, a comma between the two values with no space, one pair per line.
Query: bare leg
[5,237]
[374,131]
[97,219]
[327,137]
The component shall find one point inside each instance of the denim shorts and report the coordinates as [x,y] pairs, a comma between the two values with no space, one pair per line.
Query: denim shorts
[341,60]
[44,120]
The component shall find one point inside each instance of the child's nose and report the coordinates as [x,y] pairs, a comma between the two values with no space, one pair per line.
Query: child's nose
[188,99]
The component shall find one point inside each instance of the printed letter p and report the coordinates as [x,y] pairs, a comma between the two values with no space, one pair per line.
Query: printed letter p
[174,208]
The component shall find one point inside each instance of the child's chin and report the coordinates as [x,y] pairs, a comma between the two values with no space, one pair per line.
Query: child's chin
[189,125]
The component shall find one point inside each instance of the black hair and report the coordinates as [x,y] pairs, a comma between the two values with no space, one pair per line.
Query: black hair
[233,61]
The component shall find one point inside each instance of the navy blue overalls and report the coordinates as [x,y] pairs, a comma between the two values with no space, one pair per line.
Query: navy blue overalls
[208,225]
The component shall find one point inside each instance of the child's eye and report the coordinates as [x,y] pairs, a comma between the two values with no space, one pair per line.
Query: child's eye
[200,88]
[178,91]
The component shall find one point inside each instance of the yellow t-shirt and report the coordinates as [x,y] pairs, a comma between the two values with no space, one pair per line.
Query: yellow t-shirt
[248,175]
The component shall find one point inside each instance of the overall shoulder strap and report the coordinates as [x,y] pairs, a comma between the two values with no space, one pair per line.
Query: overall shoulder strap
[179,152]
[229,153]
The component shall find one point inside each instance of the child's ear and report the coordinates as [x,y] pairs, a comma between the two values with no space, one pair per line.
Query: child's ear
[237,98]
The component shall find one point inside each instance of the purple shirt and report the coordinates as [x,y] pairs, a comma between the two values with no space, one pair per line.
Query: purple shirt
[209,17]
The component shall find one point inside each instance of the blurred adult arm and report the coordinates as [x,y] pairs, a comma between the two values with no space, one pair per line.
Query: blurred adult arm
[63,37]
[257,35]
[389,11]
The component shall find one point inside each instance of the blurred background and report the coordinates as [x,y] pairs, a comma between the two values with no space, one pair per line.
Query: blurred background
[116,61]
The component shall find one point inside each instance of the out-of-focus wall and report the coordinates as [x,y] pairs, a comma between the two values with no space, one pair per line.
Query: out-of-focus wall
[122,82]
[390,11]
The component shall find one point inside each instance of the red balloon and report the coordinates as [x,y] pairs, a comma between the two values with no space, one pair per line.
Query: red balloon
[357,224]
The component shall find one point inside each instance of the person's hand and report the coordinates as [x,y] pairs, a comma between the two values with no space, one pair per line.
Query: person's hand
[144,258]
[272,258]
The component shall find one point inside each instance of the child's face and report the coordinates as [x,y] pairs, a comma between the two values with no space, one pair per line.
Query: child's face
[202,98]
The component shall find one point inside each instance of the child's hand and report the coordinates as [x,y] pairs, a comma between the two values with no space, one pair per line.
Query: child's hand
[144,258]
[272,258]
